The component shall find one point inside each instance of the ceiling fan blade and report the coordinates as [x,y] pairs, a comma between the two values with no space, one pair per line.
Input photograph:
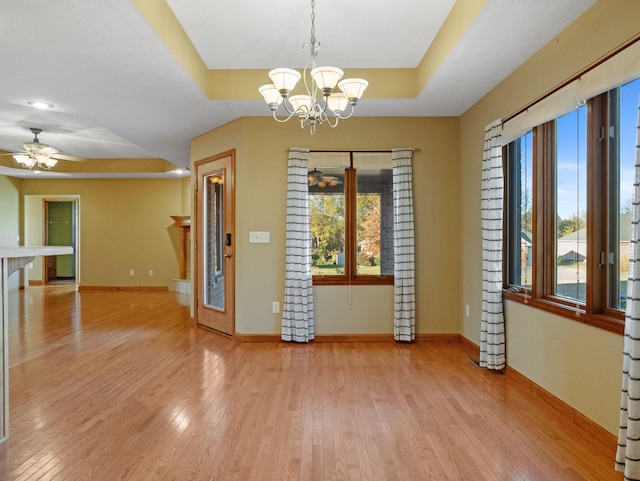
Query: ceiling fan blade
[34,146]
[70,158]
[48,150]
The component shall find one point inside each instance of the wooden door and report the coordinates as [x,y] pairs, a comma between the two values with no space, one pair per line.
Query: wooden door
[215,243]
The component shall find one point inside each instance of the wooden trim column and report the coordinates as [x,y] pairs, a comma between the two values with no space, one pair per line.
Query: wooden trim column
[184,222]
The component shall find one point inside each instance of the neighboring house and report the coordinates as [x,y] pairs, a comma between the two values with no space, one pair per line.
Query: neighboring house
[526,248]
[573,247]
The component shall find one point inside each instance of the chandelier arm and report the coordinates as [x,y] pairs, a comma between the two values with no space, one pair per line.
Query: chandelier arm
[334,124]
[344,117]
[310,65]
[285,104]
[282,121]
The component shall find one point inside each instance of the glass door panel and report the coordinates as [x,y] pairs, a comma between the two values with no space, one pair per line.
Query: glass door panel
[214,240]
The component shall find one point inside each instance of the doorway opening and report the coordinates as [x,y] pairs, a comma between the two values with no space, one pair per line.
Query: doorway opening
[61,229]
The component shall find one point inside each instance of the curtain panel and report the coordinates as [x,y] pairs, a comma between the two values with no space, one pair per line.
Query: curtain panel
[404,317]
[492,328]
[297,309]
[628,453]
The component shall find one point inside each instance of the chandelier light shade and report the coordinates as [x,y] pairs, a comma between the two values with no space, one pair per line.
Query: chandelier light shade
[322,102]
[353,88]
[326,78]
[284,79]
[271,95]
[337,102]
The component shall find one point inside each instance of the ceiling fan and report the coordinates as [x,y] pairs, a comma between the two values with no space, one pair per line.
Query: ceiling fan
[316,177]
[39,155]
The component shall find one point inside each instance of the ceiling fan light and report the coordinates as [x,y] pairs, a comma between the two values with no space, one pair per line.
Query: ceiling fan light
[326,78]
[50,162]
[353,88]
[284,79]
[29,162]
[337,102]
[21,158]
[313,176]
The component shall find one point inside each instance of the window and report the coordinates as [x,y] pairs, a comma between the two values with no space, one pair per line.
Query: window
[570,206]
[567,210]
[520,241]
[351,217]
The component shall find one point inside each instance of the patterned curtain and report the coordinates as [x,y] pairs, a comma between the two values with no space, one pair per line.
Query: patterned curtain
[297,309]
[492,337]
[628,454]
[404,319]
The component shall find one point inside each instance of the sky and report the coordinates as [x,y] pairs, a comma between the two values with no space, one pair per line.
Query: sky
[571,154]
[630,94]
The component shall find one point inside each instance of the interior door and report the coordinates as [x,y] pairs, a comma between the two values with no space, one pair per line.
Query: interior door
[215,243]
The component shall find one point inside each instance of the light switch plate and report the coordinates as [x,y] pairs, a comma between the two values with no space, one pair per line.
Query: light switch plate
[259,237]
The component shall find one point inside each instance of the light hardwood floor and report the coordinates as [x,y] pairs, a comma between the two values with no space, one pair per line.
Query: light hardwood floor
[120,385]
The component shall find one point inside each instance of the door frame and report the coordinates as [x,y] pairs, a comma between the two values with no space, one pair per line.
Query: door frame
[76,234]
[198,228]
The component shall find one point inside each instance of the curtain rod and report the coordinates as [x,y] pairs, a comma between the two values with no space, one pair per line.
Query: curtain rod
[575,77]
[367,151]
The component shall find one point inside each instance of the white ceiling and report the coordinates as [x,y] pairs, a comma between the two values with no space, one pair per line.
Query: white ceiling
[119,92]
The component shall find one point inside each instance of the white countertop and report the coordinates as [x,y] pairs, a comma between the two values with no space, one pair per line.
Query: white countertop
[32,251]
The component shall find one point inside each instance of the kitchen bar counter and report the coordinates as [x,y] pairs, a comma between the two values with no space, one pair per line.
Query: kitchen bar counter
[12,259]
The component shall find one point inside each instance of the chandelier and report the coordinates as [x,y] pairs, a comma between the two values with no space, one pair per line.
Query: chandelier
[313,109]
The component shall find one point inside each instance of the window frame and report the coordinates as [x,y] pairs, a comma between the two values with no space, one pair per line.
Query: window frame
[595,310]
[351,276]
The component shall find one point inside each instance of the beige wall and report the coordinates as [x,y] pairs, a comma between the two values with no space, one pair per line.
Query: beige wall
[576,362]
[124,224]
[10,218]
[186,196]
[261,174]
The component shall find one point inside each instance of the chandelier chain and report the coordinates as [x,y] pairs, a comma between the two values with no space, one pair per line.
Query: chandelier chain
[315,45]
[313,21]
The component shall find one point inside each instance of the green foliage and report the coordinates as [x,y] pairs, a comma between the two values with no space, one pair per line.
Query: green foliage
[574,223]
[327,219]
[326,213]
[368,222]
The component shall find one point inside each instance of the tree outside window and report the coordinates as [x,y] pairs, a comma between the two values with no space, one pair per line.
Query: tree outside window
[351,218]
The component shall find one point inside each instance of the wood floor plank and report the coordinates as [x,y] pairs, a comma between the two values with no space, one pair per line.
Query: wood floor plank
[120,385]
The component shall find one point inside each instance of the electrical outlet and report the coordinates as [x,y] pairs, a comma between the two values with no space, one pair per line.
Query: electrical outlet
[150,272]
[466,310]
[132,272]
[275,307]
